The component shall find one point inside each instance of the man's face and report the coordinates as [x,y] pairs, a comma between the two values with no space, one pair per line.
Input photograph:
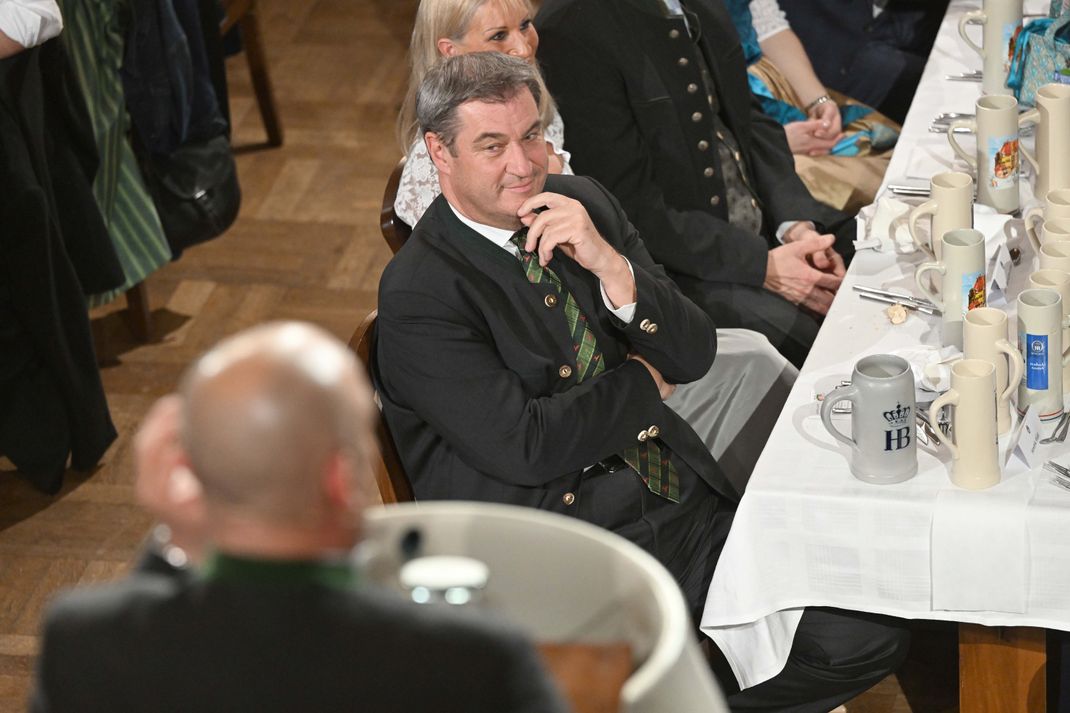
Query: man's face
[498,160]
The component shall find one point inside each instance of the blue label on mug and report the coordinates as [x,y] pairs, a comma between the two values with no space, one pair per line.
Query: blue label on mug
[1035,352]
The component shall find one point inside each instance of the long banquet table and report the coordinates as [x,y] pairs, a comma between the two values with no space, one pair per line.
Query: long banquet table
[807,533]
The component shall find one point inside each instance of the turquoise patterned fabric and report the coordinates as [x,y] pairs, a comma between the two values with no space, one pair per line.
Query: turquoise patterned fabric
[741,18]
[1042,50]
[94,40]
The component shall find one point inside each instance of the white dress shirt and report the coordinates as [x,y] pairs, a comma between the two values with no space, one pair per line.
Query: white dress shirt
[30,22]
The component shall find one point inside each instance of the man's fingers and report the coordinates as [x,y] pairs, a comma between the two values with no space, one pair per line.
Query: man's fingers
[828,281]
[821,260]
[541,200]
[838,268]
[819,301]
[816,242]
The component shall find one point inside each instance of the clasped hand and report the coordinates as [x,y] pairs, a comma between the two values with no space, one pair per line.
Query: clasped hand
[817,135]
[806,271]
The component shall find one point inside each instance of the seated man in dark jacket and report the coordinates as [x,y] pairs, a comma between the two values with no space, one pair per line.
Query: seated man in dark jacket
[263,464]
[657,107]
[527,343]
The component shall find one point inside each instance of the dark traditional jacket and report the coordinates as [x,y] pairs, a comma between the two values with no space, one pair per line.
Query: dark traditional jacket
[472,370]
[628,82]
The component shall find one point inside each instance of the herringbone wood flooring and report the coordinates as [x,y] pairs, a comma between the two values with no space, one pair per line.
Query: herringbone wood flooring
[306,246]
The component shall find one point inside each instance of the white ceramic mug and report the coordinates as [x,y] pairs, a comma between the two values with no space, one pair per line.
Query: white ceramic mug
[1040,340]
[1053,138]
[973,441]
[984,335]
[1056,207]
[1060,282]
[1002,20]
[951,206]
[962,287]
[997,156]
[1055,255]
[883,435]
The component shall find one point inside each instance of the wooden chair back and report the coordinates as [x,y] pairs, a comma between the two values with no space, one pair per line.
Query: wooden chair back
[395,231]
[394,486]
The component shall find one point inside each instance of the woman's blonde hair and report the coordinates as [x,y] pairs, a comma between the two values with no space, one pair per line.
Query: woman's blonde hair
[436,19]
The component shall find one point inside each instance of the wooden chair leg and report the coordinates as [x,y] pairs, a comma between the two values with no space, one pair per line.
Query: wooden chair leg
[1001,669]
[254,53]
[137,309]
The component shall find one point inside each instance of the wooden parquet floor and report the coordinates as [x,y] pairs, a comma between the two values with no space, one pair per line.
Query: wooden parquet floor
[306,246]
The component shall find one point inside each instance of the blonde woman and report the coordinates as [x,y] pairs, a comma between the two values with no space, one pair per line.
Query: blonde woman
[450,27]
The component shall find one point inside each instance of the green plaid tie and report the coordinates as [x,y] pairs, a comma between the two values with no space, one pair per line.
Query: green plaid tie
[651,460]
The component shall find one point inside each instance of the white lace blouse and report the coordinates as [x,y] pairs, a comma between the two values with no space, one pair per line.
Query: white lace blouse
[767,18]
[419,179]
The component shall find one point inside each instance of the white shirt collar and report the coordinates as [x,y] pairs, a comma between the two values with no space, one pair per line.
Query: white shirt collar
[498,236]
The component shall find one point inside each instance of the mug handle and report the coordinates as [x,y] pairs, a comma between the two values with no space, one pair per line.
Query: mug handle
[1015,366]
[950,398]
[1066,347]
[841,393]
[1032,217]
[970,124]
[929,207]
[977,17]
[922,269]
[1031,116]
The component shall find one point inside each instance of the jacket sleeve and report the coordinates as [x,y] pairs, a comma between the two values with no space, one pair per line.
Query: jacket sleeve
[606,142]
[668,330]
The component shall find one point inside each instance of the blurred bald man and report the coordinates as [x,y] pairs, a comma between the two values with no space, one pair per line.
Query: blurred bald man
[259,469]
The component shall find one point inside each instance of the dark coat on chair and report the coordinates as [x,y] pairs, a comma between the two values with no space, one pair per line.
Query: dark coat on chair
[164,642]
[54,250]
[629,86]
[473,381]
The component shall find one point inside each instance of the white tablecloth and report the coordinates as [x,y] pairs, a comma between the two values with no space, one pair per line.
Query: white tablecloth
[809,534]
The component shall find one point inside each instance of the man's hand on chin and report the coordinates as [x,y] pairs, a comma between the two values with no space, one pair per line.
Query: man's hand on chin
[563,224]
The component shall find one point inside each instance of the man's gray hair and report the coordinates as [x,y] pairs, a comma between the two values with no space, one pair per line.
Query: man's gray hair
[490,77]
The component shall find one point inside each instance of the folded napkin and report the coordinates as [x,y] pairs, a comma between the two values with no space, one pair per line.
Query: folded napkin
[992,225]
[931,366]
[886,226]
[932,154]
[980,548]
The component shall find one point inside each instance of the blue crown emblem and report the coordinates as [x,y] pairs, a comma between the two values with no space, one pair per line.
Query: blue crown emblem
[897,416]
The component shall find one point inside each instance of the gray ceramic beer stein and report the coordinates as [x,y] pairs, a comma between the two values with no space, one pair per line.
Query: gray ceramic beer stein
[881,392]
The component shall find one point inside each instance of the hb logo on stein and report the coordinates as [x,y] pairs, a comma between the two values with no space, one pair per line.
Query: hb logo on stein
[898,436]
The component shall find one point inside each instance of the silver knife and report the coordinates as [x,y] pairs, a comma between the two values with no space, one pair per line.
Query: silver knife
[895,295]
[909,305]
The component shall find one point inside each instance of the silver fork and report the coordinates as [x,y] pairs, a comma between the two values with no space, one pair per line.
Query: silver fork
[1058,434]
[1062,474]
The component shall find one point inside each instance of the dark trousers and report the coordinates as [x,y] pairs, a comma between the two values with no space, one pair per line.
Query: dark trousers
[836,655]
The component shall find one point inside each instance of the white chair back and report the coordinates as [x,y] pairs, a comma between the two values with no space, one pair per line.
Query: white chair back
[561,580]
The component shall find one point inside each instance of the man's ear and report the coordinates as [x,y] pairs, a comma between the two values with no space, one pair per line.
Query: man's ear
[338,484]
[439,152]
[165,485]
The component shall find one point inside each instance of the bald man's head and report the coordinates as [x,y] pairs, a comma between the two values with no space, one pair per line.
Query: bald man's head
[267,413]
